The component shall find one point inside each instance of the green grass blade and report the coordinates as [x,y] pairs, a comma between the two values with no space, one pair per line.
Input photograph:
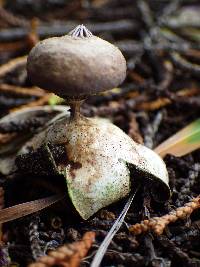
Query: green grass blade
[183,142]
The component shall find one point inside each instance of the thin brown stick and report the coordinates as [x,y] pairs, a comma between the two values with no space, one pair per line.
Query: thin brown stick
[11,46]
[164,101]
[134,131]
[32,91]
[12,64]
[39,102]
[12,19]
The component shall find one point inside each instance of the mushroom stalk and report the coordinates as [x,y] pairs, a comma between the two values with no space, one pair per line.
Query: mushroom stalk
[75,106]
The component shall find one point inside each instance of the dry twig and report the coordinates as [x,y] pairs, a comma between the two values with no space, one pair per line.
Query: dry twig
[68,255]
[12,64]
[158,224]
[39,102]
[25,91]
[164,101]
[134,131]
[12,19]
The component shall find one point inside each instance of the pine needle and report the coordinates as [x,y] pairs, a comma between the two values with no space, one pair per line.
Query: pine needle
[183,142]
[21,210]
[116,226]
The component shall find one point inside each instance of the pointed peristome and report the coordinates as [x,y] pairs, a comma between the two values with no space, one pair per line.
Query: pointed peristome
[80,31]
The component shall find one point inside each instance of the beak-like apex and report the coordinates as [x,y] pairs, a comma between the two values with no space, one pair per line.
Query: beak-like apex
[80,32]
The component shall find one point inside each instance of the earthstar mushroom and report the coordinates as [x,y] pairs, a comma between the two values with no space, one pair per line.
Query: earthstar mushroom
[100,156]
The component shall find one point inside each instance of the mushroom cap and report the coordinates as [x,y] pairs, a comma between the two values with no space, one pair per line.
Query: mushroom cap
[76,65]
